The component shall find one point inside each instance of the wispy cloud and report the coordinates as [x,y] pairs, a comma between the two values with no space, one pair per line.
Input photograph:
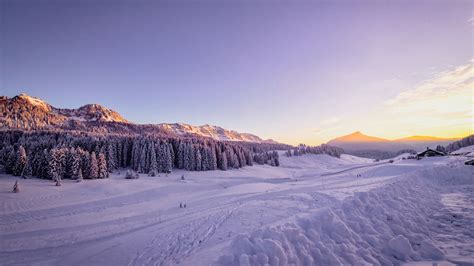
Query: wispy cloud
[445,99]
[331,120]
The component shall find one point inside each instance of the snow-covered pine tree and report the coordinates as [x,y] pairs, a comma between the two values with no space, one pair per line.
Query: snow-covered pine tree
[172,154]
[20,161]
[180,155]
[102,166]
[125,158]
[147,156]
[223,161]
[212,158]
[168,160]
[204,159]
[43,164]
[86,164]
[94,167]
[16,187]
[160,157]
[142,161]
[10,160]
[79,175]
[57,164]
[153,162]
[27,170]
[76,163]
[69,162]
[111,158]
[187,157]
[197,159]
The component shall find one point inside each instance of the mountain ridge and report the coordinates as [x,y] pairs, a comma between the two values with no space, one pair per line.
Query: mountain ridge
[32,113]
[358,141]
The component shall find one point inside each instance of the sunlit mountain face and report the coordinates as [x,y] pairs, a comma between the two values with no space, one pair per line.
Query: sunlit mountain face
[358,141]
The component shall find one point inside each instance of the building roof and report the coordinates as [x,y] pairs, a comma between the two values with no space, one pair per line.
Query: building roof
[430,151]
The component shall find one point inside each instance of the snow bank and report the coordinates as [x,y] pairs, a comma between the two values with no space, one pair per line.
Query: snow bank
[389,225]
[467,151]
[354,159]
[402,156]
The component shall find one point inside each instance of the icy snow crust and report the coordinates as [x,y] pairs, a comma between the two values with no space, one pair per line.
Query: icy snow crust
[313,210]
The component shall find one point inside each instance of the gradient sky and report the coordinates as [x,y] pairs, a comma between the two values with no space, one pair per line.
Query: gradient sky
[294,71]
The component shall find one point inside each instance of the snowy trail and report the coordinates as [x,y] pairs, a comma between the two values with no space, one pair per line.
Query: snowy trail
[139,222]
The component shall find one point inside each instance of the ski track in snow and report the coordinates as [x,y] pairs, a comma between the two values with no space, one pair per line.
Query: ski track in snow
[139,222]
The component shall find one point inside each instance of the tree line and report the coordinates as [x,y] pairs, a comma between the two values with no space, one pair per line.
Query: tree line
[77,155]
[322,149]
[464,142]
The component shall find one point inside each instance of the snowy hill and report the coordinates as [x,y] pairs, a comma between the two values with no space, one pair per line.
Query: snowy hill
[466,151]
[312,210]
[27,112]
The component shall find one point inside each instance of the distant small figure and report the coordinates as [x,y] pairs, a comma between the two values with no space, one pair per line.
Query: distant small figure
[58,182]
[182,177]
[16,187]
[180,205]
[185,205]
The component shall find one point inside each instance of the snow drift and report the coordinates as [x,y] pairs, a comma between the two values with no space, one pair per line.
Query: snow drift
[389,225]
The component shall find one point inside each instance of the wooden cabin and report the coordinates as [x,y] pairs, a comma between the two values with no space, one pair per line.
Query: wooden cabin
[429,153]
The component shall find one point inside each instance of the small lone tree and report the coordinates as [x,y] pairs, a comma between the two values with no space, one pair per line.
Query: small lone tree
[16,187]
[79,176]
[58,181]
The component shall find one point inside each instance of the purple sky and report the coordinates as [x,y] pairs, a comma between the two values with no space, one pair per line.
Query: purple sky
[295,71]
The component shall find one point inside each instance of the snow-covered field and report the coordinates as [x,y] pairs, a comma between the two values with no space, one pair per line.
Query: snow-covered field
[313,209]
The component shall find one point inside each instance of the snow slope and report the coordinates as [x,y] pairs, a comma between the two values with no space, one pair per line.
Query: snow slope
[467,151]
[211,131]
[311,204]
[401,222]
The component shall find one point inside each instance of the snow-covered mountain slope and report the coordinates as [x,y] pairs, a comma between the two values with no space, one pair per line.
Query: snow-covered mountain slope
[27,112]
[214,132]
[312,210]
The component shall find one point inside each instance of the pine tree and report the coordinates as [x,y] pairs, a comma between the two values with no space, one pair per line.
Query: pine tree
[79,176]
[168,160]
[16,187]
[153,162]
[111,158]
[102,166]
[10,160]
[142,161]
[180,155]
[20,161]
[223,161]
[197,158]
[94,167]
[27,171]
[86,164]
[76,163]
[57,164]
[69,163]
